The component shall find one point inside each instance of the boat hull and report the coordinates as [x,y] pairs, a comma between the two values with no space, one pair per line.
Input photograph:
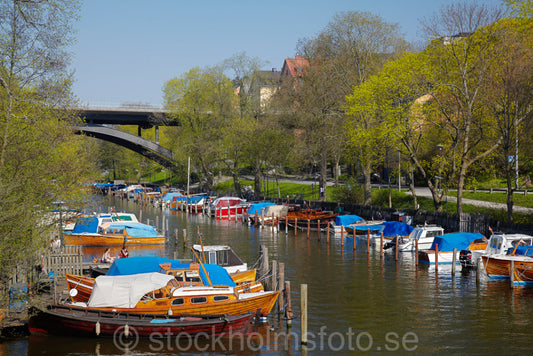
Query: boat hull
[106,240]
[75,321]
[500,266]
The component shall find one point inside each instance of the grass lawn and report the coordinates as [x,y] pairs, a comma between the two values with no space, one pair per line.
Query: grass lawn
[401,200]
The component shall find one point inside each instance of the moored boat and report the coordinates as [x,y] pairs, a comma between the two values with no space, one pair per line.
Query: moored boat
[446,244]
[157,293]
[76,321]
[424,234]
[93,232]
[498,244]
[499,266]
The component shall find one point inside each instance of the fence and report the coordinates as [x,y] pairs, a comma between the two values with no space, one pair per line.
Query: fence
[68,259]
[450,222]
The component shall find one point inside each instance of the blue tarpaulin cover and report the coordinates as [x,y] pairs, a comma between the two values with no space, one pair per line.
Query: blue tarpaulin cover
[85,225]
[146,264]
[521,250]
[345,220]
[393,228]
[170,196]
[256,208]
[195,199]
[134,229]
[371,227]
[458,240]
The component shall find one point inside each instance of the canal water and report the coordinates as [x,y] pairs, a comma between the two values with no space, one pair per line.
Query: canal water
[357,301]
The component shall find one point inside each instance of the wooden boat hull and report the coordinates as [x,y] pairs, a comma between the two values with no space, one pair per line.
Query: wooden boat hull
[246,303]
[82,285]
[244,276]
[523,274]
[75,321]
[500,266]
[107,240]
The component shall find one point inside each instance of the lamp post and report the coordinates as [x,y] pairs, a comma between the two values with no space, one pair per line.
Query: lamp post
[399,172]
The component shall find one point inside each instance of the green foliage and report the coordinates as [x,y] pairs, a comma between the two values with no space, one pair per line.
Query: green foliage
[352,193]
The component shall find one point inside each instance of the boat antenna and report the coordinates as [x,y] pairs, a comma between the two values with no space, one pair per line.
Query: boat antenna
[203,268]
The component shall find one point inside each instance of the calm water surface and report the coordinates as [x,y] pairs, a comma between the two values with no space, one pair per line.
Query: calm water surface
[357,302]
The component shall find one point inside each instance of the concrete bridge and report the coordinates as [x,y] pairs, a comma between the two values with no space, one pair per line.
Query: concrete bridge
[143,118]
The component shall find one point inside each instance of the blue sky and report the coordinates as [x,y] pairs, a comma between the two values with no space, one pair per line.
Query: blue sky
[127,49]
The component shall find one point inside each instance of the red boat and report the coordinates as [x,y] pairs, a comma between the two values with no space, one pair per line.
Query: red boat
[76,321]
[227,207]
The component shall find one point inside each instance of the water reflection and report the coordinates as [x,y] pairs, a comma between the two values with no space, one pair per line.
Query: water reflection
[358,299]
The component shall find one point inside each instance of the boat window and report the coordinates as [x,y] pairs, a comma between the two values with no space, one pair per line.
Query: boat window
[178,301]
[223,258]
[213,257]
[192,276]
[196,300]
[219,298]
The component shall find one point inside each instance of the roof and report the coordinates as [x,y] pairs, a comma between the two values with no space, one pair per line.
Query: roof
[294,67]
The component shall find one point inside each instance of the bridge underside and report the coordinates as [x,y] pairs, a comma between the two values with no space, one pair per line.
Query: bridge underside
[147,148]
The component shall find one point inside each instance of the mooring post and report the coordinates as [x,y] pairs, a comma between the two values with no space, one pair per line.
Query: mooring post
[478,269]
[397,246]
[416,252]
[327,234]
[274,275]
[295,226]
[264,265]
[368,241]
[288,309]
[381,246]
[453,261]
[436,258]
[303,316]
[318,224]
[184,237]
[281,284]
[353,237]
[176,235]
[308,228]
[511,274]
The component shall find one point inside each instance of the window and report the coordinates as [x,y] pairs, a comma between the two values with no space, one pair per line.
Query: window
[178,301]
[197,300]
[219,298]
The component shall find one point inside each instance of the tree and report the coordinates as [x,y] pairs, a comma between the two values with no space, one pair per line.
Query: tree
[510,96]
[353,46]
[41,160]
[459,58]
[202,100]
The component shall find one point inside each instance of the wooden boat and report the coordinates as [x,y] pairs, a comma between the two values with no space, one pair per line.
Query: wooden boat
[499,266]
[114,233]
[75,321]
[157,293]
[498,244]
[312,219]
[447,243]
[523,273]
[224,256]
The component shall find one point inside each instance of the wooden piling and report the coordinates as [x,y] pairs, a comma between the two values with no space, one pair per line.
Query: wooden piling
[318,224]
[295,226]
[368,241]
[511,274]
[436,257]
[381,246]
[353,237]
[264,262]
[453,261]
[274,275]
[308,228]
[303,311]
[288,309]
[184,237]
[281,284]
[478,269]
[327,235]
[176,235]
[397,247]
[157,222]
[416,252]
